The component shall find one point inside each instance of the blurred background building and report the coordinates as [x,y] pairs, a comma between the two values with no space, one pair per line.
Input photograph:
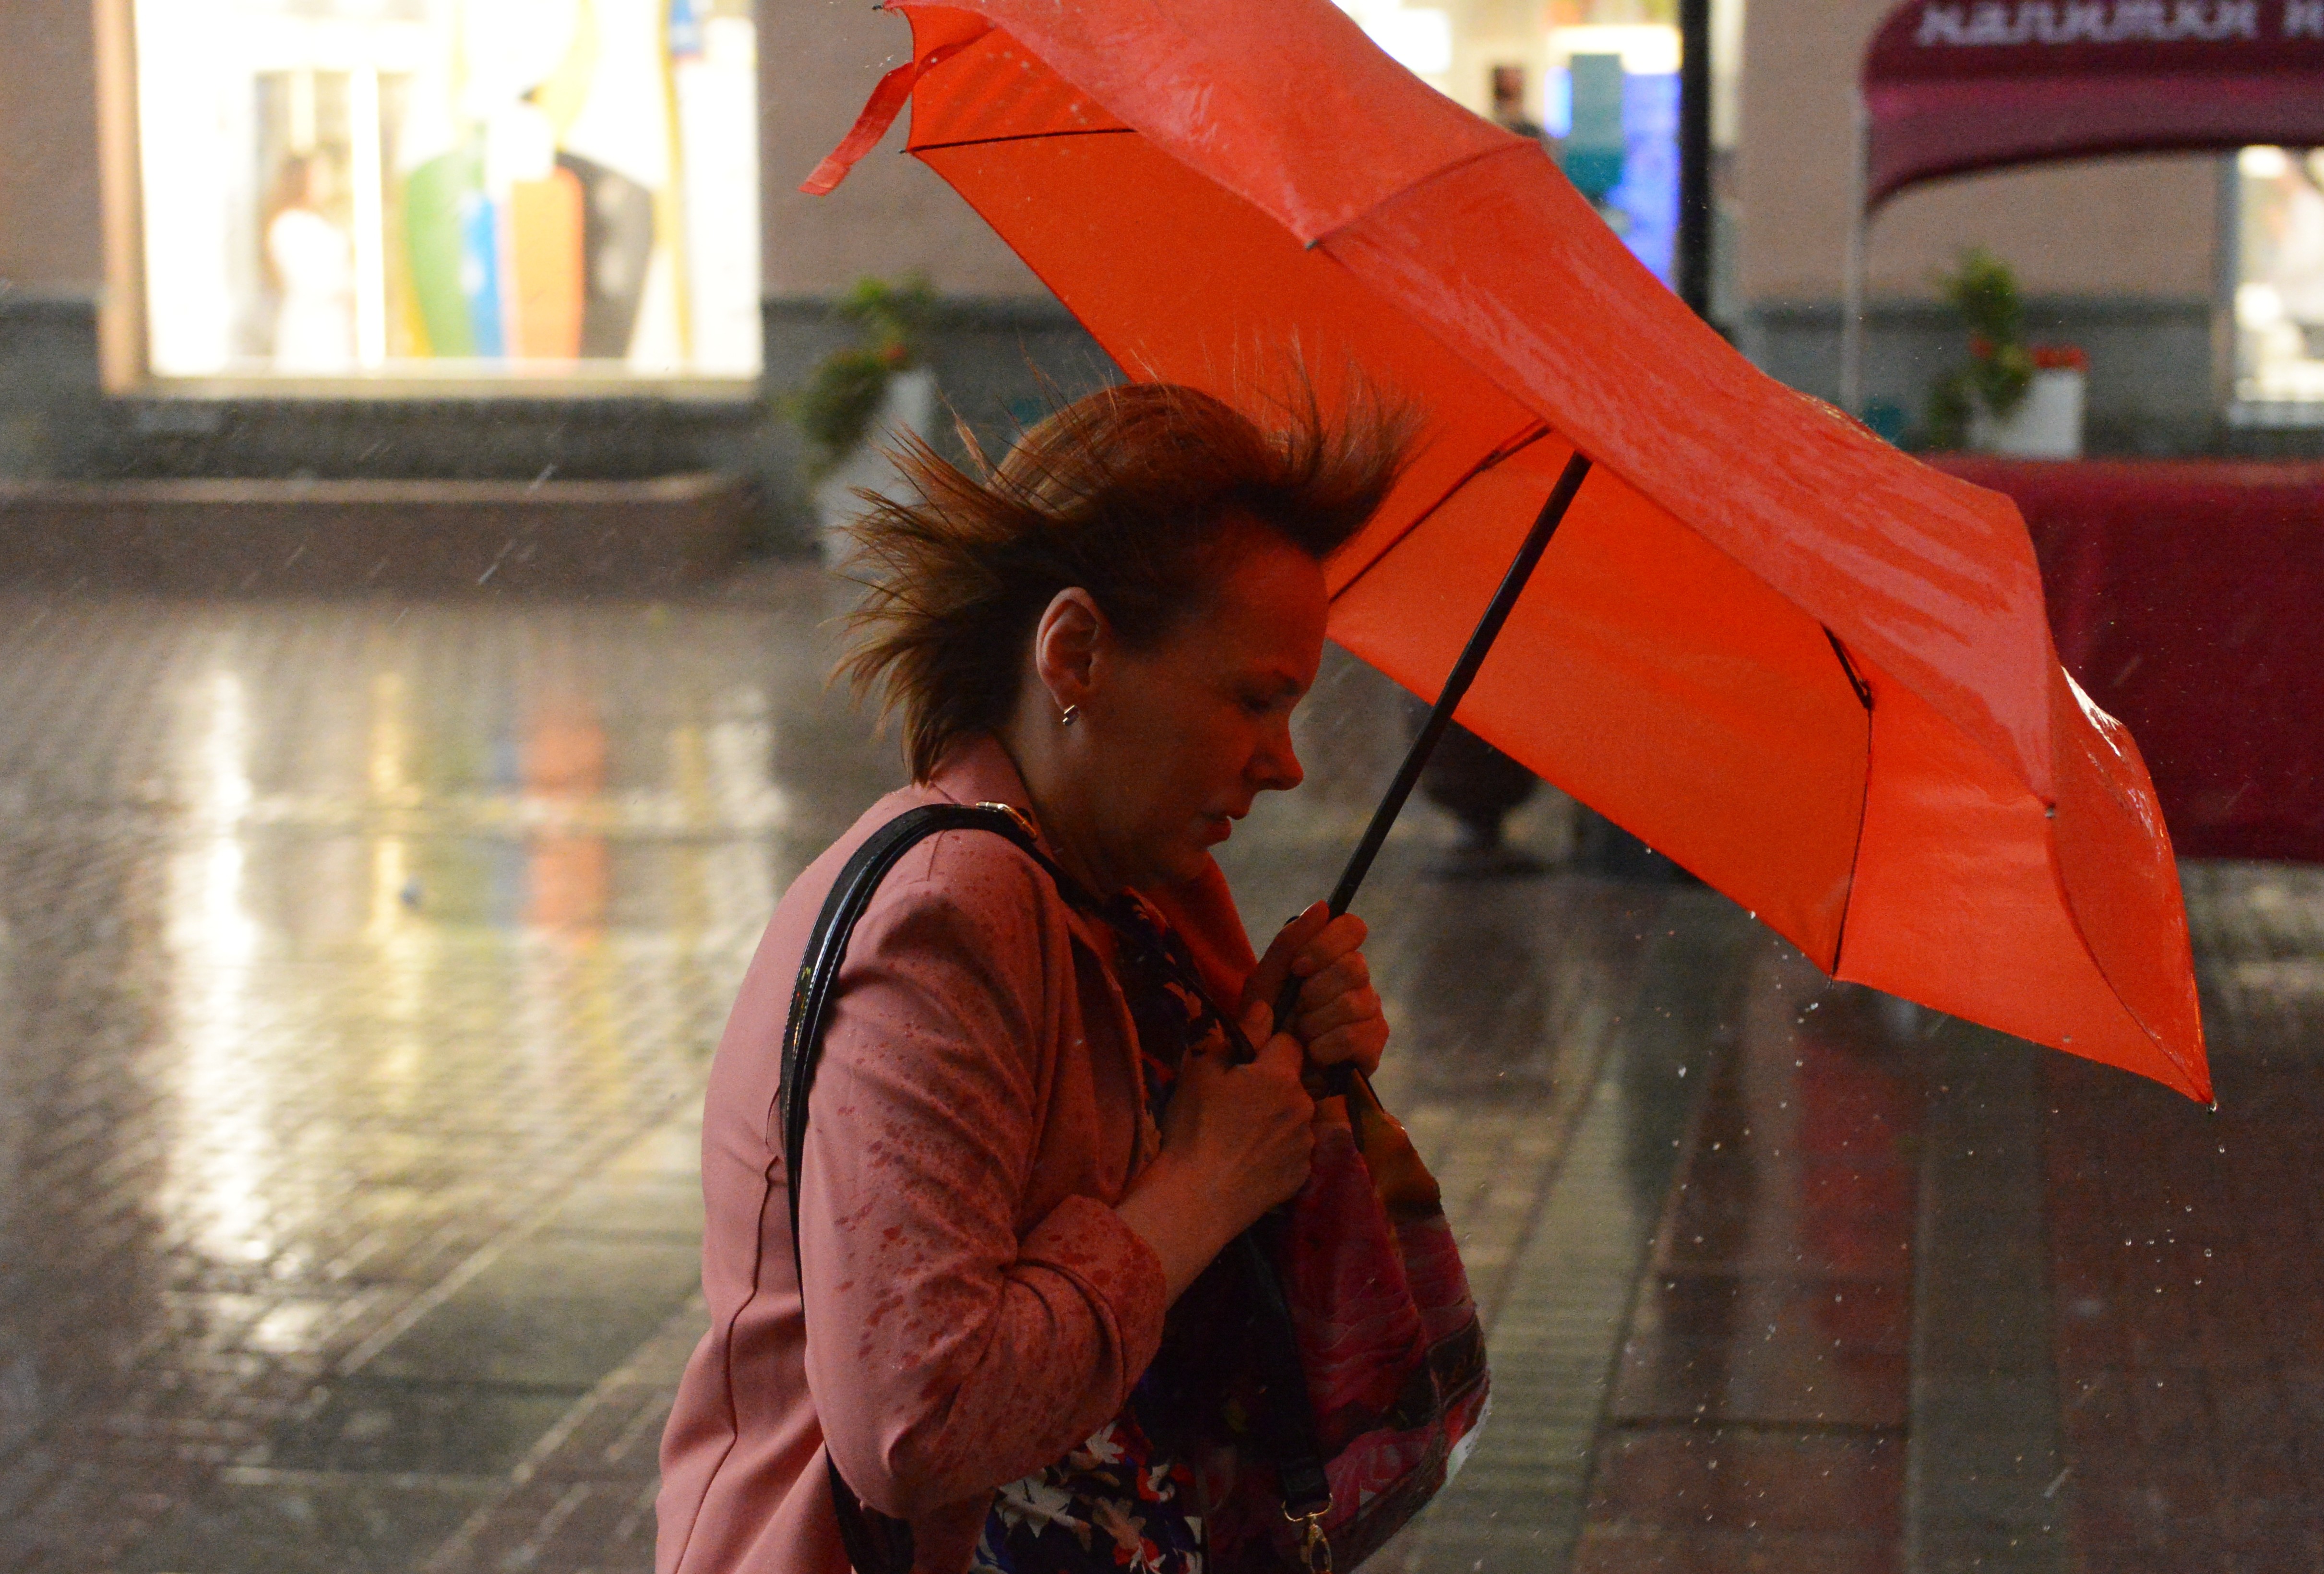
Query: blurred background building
[286,239]
[360,956]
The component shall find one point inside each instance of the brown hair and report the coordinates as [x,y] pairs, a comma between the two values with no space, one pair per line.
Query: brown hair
[1134,494]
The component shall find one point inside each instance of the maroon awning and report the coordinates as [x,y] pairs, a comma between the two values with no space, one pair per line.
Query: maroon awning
[1956,85]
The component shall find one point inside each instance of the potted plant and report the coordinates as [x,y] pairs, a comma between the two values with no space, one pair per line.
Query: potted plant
[2013,398]
[865,395]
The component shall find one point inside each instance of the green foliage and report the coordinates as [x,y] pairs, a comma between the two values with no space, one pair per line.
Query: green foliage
[895,316]
[1983,290]
[843,393]
[1950,410]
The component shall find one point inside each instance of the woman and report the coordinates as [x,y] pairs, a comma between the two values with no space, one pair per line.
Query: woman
[1108,634]
[311,262]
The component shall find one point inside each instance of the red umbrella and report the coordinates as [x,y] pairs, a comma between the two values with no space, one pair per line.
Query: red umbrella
[1809,668]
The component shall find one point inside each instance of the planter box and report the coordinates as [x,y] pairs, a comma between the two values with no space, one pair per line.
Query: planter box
[907,406]
[2047,426]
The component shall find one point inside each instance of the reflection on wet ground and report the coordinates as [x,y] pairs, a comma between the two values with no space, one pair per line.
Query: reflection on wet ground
[359,964]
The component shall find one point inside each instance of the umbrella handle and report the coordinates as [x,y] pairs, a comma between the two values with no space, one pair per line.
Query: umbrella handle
[1440,715]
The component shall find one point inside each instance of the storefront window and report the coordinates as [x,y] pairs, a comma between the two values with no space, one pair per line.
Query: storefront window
[466,190]
[1597,80]
[2279,306]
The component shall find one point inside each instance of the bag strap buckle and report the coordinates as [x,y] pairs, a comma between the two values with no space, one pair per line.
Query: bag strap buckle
[1024,821]
[1315,1547]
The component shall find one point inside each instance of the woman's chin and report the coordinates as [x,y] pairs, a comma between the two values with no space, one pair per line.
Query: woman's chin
[1183,862]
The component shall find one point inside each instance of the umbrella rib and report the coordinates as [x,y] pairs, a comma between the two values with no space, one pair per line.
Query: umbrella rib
[1023,136]
[1863,697]
[1509,449]
[1846,665]
[1519,146]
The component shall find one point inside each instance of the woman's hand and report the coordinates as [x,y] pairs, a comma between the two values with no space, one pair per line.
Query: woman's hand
[1236,1140]
[1339,1015]
[1248,1127]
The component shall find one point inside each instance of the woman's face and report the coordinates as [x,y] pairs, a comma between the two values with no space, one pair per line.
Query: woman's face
[1182,737]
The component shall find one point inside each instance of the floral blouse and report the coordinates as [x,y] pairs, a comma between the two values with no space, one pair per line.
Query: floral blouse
[1120,1501]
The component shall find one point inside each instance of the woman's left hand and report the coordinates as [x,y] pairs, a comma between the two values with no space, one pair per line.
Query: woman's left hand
[1337,1016]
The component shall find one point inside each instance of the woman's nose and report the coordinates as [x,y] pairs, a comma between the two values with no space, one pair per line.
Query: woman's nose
[1279,762]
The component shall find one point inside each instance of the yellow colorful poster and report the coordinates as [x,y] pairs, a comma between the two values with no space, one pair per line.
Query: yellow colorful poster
[449,189]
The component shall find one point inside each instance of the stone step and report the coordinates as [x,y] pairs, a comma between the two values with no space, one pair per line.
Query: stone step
[634,537]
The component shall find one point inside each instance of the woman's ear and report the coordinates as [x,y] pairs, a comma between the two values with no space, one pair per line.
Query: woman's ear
[1068,645]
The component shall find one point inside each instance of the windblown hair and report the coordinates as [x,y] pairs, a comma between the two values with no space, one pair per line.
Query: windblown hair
[1138,494]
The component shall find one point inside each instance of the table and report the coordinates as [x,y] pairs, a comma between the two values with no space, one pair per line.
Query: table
[2187,597]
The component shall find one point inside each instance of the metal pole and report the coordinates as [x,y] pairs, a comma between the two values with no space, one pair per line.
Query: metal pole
[1694,229]
[1852,283]
[2227,274]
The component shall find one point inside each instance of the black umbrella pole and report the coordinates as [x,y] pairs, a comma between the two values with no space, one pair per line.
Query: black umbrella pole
[1456,687]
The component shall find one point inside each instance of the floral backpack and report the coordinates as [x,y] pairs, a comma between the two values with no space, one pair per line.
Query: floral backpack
[1316,1386]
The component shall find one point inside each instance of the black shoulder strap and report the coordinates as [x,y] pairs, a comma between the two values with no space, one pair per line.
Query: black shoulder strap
[826,948]
[875,1543]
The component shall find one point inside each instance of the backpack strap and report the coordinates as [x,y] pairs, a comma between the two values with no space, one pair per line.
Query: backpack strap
[875,1542]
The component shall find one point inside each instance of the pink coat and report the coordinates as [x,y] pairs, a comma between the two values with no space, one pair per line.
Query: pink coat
[976,1306]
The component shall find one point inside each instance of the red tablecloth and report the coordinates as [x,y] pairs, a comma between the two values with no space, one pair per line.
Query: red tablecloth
[2188,599]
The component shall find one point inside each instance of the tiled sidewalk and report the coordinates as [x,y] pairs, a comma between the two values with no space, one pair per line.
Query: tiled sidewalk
[351,955]
[359,963]
[2189,1260]
[583,1496]
[1759,1417]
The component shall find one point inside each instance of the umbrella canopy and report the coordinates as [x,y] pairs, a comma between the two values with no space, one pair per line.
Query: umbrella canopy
[1810,669]
[1956,85]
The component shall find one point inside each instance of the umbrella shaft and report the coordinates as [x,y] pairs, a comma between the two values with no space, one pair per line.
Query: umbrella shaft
[1456,685]
[1440,715]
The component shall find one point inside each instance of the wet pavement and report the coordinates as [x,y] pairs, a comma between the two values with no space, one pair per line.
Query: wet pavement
[360,961]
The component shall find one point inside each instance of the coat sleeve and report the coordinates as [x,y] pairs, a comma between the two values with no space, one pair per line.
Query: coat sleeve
[946,1356]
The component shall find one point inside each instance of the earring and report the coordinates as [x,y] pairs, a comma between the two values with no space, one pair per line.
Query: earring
[1071,715]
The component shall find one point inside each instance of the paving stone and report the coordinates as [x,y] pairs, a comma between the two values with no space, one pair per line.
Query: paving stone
[359,966]
[2185,1243]
[298,1522]
[1985,1447]
[1520,1504]
[555,1311]
[341,942]
[1610,1549]
[445,1427]
[1765,1361]
[1782,1480]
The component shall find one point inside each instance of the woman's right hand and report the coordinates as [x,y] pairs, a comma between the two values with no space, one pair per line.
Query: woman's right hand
[1247,1127]
[1236,1140]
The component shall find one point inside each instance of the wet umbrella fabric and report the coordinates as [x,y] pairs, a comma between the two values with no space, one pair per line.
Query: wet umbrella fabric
[1811,670]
